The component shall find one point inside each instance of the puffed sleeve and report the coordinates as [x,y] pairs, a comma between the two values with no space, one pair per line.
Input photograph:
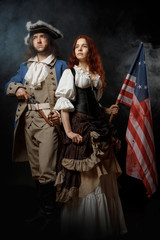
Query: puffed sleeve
[98,84]
[65,92]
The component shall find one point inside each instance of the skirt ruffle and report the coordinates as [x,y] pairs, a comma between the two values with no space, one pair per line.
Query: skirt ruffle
[81,166]
[96,216]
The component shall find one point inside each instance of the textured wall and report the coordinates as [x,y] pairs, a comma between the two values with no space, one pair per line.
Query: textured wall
[117,31]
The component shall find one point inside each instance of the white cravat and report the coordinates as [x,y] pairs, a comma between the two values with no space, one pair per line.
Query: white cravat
[37,71]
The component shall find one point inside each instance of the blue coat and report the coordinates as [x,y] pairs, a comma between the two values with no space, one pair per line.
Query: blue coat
[60,66]
[19,148]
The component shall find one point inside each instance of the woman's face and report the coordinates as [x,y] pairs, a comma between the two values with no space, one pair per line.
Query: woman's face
[81,49]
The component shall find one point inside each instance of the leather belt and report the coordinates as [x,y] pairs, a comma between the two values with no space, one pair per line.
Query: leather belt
[41,107]
[38,106]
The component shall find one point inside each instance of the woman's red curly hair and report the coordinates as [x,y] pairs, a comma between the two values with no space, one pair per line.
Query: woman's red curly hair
[93,58]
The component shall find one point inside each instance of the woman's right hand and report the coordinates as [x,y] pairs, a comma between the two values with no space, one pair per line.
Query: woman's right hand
[75,137]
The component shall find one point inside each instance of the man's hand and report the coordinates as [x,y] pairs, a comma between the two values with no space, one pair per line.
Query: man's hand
[21,94]
[54,117]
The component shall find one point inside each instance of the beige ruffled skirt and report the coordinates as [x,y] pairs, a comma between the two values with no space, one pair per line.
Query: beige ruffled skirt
[87,181]
[98,215]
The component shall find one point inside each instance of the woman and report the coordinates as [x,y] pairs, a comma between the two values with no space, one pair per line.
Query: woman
[87,170]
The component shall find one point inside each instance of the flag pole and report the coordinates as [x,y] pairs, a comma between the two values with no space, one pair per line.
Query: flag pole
[133,64]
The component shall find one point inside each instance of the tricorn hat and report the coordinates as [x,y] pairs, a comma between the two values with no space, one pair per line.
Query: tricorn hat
[41,27]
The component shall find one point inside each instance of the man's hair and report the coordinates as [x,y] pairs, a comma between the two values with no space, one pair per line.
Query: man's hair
[31,52]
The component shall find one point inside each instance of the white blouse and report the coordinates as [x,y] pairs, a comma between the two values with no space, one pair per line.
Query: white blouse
[66,91]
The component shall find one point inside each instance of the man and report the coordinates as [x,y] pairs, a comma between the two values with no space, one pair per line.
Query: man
[36,135]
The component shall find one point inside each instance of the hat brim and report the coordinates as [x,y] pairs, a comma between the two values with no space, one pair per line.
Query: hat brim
[43,29]
[54,33]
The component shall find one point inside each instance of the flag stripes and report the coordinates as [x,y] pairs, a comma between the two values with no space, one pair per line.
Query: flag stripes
[142,144]
[145,169]
[127,90]
[140,158]
[143,174]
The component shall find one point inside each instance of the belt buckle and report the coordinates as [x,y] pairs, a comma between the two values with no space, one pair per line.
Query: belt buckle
[36,106]
[29,106]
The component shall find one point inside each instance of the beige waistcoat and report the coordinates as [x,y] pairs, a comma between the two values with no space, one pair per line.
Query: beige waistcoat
[19,147]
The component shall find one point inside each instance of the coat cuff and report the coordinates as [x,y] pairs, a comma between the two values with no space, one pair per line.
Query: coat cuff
[12,88]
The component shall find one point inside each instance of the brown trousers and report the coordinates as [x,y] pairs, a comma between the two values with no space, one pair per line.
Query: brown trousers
[42,146]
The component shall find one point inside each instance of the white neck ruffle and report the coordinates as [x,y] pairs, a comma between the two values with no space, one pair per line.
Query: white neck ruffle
[37,71]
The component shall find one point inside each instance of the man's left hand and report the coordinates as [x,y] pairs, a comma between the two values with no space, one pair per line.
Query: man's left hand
[54,117]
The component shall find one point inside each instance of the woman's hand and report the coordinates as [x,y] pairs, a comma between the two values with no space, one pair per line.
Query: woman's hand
[113,109]
[75,137]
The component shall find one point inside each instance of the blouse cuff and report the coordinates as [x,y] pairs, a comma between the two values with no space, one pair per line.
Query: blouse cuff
[64,104]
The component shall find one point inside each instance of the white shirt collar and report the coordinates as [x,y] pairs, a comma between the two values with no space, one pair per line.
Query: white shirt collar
[37,71]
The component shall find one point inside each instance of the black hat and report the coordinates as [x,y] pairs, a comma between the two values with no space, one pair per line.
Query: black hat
[41,27]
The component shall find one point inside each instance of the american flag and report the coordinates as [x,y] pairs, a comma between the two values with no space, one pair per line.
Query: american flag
[140,158]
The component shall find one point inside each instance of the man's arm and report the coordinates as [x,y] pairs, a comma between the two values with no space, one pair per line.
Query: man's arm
[17,81]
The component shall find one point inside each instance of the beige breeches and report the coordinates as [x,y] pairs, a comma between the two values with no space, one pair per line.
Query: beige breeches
[42,146]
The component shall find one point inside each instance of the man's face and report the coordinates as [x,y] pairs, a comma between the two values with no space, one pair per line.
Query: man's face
[40,42]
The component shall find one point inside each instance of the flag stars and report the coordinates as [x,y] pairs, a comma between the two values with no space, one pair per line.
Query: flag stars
[142,87]
[141,62]
[139,86]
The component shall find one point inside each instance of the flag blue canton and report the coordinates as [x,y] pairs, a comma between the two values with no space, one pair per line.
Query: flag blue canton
[138,70]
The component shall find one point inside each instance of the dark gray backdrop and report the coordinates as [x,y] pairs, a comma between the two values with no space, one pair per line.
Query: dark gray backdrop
[117,30]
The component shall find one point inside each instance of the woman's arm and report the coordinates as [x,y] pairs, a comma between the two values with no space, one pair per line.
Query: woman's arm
[75,137]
